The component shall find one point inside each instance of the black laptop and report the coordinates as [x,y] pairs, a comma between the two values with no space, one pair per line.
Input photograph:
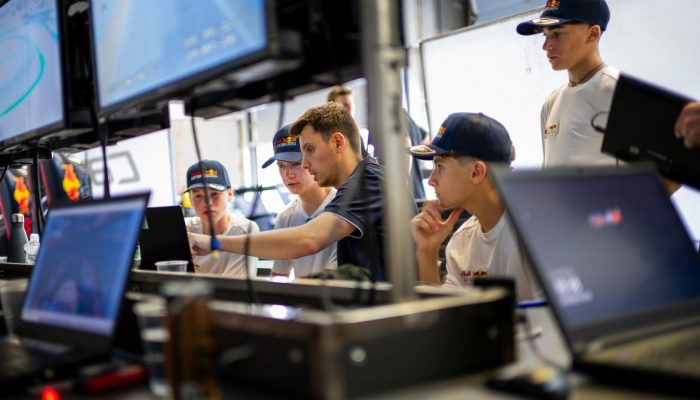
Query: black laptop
[618,267]
[641,126]
[163,237]
[75,291]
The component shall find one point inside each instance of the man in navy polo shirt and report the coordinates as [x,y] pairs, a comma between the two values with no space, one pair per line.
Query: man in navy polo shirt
[330,143]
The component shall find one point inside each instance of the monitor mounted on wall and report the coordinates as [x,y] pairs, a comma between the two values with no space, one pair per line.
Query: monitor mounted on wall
[44,94]
[145,52]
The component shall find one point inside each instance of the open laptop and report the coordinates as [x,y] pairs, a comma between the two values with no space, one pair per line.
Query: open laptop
[164,237]
[641,126]
[75,291]
[618,268]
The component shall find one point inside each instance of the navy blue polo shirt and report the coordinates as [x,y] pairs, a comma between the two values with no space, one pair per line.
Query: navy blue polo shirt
[365,245]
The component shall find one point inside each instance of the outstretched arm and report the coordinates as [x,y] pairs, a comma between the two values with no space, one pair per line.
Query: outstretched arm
[281,244]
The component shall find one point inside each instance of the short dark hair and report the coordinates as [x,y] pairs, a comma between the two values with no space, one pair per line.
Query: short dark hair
[337,91]
[328,119]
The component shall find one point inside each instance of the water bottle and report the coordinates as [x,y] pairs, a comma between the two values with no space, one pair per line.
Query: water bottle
[31,249]
[18,238]
[136,261]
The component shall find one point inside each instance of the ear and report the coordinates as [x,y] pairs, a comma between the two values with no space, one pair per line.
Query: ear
[337,142]
[229,194]
[594,33]
[479,169]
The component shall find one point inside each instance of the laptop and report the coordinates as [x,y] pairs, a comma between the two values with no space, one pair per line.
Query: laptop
[641,126]
[164,237]
[75,292]
[618,268]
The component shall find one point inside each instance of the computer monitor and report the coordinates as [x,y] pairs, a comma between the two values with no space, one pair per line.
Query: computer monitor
[641,125]
[148,51]
[31,89]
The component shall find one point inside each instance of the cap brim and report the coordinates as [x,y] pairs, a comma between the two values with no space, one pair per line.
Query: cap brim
[535,26]
[426,151]
[214,186]
[289,156]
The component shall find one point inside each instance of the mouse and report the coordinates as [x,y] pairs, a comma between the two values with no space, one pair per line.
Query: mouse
[539,383]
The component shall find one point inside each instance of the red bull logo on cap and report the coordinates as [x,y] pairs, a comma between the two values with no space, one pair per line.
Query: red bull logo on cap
[286,141]
[210,173]
[552,4]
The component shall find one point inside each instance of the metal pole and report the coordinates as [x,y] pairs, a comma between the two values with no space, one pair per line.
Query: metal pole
[382,60]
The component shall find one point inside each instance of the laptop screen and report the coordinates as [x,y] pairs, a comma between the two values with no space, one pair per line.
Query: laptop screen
[82,266]
[607,244]
[641,127]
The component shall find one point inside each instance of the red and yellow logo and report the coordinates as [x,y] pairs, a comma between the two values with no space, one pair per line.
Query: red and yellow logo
[552,4]
[71,184]
[21,195]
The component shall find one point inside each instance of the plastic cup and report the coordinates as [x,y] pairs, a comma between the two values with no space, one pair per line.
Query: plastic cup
[151,318]
[172,266]
[12,295]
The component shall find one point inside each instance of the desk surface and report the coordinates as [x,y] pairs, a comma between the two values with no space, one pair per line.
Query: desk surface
[549,343]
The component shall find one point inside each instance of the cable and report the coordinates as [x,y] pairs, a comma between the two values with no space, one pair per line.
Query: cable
[36,182]
[214,243]
[531,335]
[4,171]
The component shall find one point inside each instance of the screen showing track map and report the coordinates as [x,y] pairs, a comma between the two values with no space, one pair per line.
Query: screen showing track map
[30,67]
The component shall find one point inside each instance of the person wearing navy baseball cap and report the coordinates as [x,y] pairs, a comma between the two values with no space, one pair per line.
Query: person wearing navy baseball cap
[310,201]
[211,176]
[485,245]
[572,31]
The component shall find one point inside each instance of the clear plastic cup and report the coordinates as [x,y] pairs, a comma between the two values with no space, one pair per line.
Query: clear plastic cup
[12,295]
[172,266]
[151,316]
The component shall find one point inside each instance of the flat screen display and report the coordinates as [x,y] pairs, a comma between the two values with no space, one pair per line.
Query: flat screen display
[600,241]
[31,93]
[83,263]
[146,49]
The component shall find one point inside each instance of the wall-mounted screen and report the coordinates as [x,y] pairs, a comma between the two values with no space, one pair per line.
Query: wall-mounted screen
[31,92]
[146,50]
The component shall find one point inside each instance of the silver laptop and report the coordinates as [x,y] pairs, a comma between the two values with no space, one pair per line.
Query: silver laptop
[73,298]
[618,267]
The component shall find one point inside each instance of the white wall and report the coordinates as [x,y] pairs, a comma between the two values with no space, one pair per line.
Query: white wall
[492,69]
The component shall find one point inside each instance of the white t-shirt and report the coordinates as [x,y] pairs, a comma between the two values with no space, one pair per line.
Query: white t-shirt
[229,264]
[472,253]
[294,215]
[567,135]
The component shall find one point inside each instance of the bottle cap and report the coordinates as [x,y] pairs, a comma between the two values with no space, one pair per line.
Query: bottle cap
[17,217]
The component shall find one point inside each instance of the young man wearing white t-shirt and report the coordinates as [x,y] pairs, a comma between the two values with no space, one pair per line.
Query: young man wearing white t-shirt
[310,201]
[572,30]
[212,176]
[485,245]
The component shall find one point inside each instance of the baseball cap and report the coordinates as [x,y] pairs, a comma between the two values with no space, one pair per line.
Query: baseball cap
[215,176]
[559,12]
[468,134]
[285,146]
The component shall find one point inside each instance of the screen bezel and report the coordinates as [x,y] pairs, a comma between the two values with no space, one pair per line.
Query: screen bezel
[51,127]
[83,339]
[578,336]
[171,90]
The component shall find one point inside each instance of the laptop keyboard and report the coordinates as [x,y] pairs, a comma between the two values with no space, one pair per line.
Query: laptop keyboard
[18,360]
[678,353]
